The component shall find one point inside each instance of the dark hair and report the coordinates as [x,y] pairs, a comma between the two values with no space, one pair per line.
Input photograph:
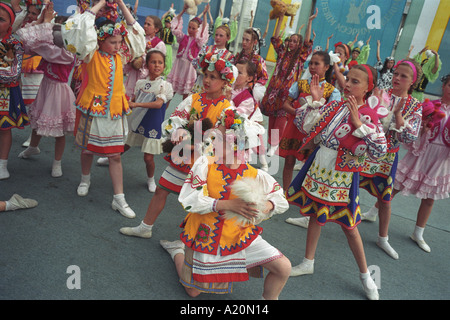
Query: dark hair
[61,19]
[149,54]
[327,61]
[250,67]
[157,23]
[385,68]
[445,79]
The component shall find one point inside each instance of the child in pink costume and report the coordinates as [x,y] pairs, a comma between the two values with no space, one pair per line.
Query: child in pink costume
[425,169]
[183,74]
[52,113]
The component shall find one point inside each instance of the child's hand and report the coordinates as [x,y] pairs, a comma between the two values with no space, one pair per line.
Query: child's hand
[352,106]
[239,206]
[316,89]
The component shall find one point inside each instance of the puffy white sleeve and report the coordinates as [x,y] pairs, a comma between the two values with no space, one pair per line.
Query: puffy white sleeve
[179,118]
[194,193]
[79,35]
[136,39]
[166,92]
[274,191]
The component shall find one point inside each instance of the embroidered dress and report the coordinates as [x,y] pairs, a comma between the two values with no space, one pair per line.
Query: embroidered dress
[53,111]
[101,103]
[286,73]
[13,113]
[222,251]
[327,184]
[378,176]
[424,171]
[223,53]
[145,123]
[292,139]
[183,74]
[173,177]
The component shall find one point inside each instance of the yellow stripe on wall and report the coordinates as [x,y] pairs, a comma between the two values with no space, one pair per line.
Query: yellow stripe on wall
[439,25]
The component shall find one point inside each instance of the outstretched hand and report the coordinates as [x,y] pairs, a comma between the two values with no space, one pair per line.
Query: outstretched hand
[316,89]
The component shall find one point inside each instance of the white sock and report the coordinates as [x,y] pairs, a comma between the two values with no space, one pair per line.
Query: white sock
[119,197]
[145,226]
[307,261]
[86,178]
[56,163]
[3,162]
[367,280]
[418,232]
[384,244]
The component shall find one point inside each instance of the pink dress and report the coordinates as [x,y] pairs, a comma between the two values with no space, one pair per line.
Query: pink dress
[183,74]
[425,169]
[52,113]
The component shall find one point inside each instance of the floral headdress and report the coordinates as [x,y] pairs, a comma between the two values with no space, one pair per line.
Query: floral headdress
[111,12]
[109,30]
[37,3]
[213,61]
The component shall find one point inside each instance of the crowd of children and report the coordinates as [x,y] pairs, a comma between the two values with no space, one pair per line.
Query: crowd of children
[104,78]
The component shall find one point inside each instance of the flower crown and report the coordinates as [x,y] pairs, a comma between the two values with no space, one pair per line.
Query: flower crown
[213,62]
[109,30]
[37,3]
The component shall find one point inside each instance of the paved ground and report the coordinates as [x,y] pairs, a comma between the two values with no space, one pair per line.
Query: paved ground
[38,245]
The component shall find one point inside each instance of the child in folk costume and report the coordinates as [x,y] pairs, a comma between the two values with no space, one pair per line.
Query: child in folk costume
[183,74]
[401,126]
[340,68]
[13,113]
[31,75]
[291,139]
[52,114]
[149,109]
[385,69]
[136,69]
[205,106]
[101,104]
[250,44]
[425,169]
[291,55]
[215,250]
[245,103]
[220,41]
[327,186]
[169,40]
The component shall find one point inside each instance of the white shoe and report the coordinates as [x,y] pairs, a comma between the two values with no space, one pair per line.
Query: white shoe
[301,222]
[123,207]
[421,243]
[103,161]
[384,244]
[56,171]
[151,185]
[301,269]
[370,288]
[18,202]
[83,189]
[28,152]
[4,174]
[138,231]
[370,215]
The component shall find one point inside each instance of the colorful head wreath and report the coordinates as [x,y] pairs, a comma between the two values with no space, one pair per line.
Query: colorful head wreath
[225,68]
[111,12]
[37,3]
[109,30]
